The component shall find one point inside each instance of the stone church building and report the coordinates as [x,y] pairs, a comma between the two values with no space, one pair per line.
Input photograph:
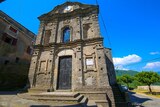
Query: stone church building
[69,55]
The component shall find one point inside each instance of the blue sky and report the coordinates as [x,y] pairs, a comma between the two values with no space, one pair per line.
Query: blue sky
[133,27]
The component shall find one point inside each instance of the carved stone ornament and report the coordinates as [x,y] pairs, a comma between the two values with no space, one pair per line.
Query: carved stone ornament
[68,9]
[66,21]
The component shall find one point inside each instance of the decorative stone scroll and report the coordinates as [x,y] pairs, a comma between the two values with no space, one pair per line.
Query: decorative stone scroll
[66,21]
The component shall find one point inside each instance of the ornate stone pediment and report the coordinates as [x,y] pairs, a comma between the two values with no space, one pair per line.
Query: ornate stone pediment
[68,7]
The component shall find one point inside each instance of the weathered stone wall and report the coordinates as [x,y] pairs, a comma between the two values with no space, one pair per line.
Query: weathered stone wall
[24,39]
[13,76]
[110,66]
[14,55]
[90,26]
[92,66]
[83,27]
[91,63]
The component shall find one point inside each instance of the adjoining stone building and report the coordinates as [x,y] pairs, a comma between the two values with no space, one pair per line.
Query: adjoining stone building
[69,55]
[16,41]
[16,46]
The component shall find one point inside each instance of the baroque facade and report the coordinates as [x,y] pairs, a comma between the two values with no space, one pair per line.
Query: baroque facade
[69,54]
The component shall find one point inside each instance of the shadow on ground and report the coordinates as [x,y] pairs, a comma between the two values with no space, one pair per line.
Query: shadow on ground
[137,101]
[40,106]
[78,105]
[9,92]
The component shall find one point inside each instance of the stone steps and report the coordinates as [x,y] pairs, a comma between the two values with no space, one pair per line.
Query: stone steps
[73,98]
[91,103]
[37,90]
[57,97]
[77,99]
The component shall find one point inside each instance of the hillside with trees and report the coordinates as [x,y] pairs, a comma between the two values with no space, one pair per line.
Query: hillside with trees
[132,79]
[124,72]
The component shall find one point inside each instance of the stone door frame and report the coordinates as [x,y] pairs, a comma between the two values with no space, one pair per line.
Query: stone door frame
[63,53]
[61,73]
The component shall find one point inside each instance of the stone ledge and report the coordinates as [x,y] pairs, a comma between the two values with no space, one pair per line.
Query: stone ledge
[98,92]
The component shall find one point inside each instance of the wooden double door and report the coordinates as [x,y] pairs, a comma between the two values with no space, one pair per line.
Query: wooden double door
[65,73]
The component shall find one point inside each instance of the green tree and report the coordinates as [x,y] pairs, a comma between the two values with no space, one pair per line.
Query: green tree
[119,81]
[148,78]
[125,79]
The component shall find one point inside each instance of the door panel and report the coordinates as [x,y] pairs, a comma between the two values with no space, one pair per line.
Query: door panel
[65,72]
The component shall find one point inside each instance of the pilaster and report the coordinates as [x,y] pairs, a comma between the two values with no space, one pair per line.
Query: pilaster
[41,31]
[103,80]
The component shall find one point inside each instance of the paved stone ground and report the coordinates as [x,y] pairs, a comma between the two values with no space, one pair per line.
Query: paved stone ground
[144,100]
[10,99]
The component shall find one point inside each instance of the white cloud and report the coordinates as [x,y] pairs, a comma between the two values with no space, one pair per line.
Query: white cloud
[126,60]
[120,67]
[154,53]
[152,65]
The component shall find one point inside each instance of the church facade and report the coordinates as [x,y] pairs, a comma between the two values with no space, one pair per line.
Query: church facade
[69,54]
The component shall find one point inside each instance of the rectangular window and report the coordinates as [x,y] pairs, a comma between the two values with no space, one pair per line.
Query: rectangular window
[6,62]
[13,29]
[14,42]
[8,39]
[29,50]
[47,37]
[17,60]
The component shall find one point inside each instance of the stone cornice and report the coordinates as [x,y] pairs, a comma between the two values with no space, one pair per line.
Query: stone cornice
[72,43]
[17,25]
[71,3]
